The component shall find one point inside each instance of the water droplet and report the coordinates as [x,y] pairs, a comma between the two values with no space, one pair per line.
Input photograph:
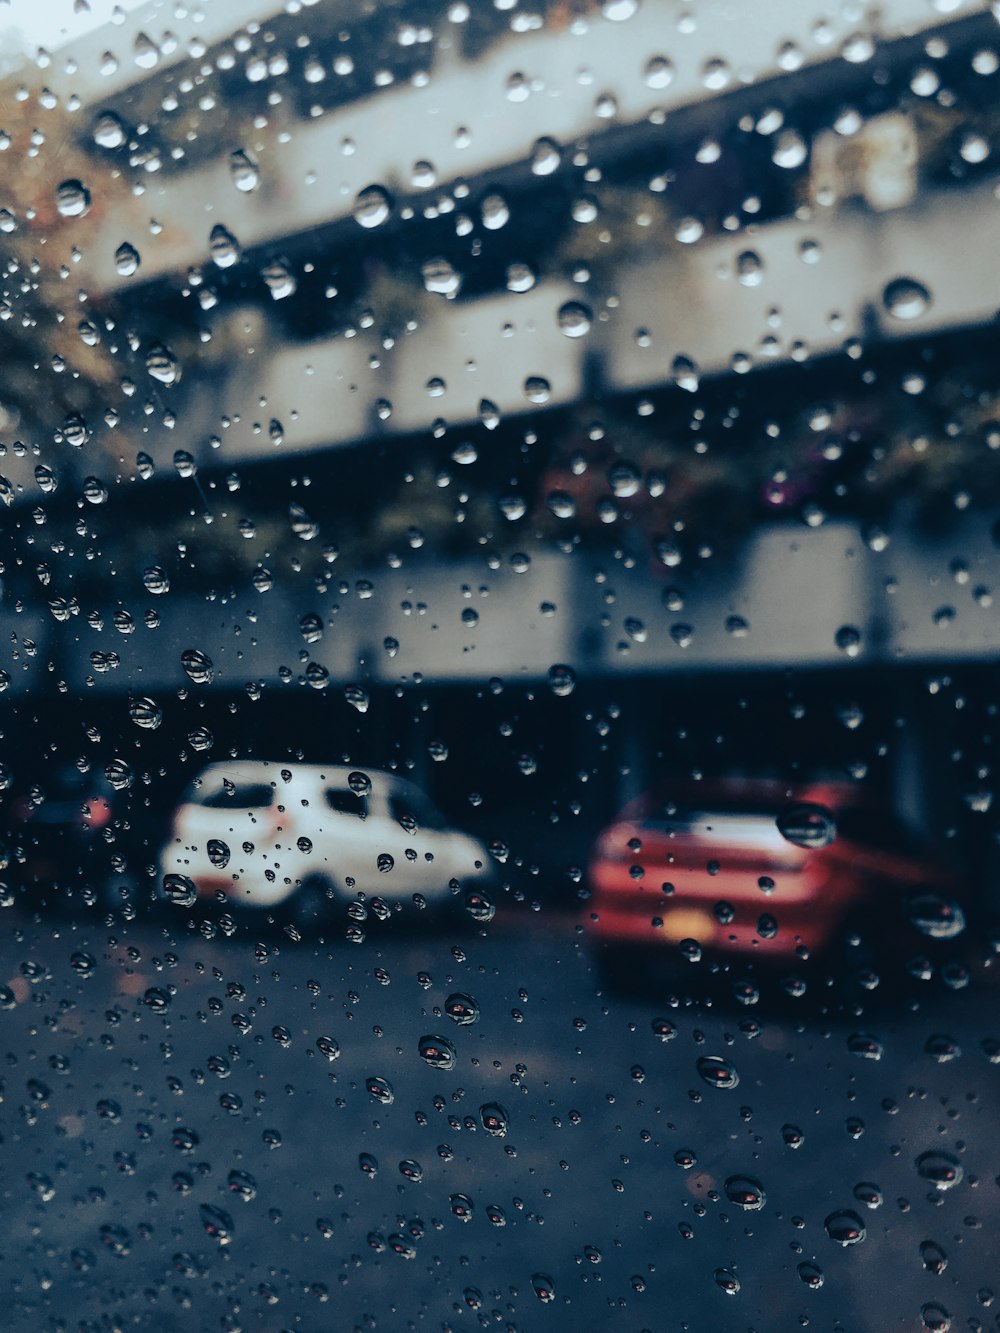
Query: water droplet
[562,680]
[479,905]
[845,1227]
[745,1192]
[217,1223]
[372,206]
[521,277]
[717,1071]
[905,298]
[437,1052]
[380,1089]
[865,1045]
[495,1119]
[279,279]
[94,490]
[162,365]
[715,74]
[792,1136]
[145,52]
[461,1008]
[328,1047]
[157,999]
[305,528]
[659,72]
[942,1169]
[244,171]
[423,175]
[584,209]
[179,890]
[495,212]
[811,1274]
[357,697]
[727,1280]
[868,1194]
[198,666]
[545,157]
[368,1165]
[311,627]
[109,132]
[46,479]
[790,150]
[807,825]
[155,580]
[936,1318]
[465,453]
[242,1184]
[685,374]
[83,964]
[858,47]
[218,853]
[749,268]
[935,1259]
[942,1048]
[118,774]
[439,276]
[75,430]
[223,247]
[575,319]
[127,260]
[938,917]
[73,199]
[543,1287]
[561,504]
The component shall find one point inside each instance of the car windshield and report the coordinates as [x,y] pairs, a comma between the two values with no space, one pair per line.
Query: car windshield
[499,572]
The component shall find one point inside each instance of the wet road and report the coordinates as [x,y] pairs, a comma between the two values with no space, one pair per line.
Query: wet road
[233,1134]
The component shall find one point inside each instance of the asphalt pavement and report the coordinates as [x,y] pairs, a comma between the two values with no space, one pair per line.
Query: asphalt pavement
[449,1131]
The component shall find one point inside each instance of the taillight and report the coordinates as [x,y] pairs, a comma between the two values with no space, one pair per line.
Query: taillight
[612,844]
[97,813]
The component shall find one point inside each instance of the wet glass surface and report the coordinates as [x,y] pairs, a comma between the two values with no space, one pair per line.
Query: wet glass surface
[501,521]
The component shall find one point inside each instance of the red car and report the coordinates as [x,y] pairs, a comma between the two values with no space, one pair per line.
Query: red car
[750,871]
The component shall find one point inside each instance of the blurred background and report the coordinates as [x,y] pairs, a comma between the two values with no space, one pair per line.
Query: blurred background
[489,340]
[574,408]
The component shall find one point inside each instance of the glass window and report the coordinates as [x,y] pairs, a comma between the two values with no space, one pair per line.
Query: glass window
[346,802]
[562,438]
[237,796]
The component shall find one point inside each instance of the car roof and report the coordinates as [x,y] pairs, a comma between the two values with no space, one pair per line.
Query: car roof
[266,770]
[750,795]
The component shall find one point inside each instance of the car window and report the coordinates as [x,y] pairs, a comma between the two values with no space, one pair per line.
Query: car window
[346,802]
[238,796]
[499,570]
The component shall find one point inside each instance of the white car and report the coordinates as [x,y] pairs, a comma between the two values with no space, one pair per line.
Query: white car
[262,835]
